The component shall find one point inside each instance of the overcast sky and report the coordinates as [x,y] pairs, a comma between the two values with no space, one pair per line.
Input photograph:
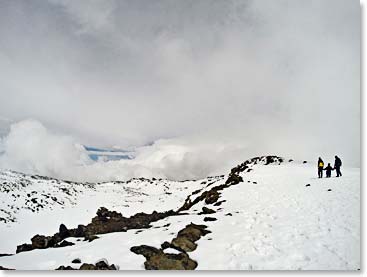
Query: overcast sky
[274,77]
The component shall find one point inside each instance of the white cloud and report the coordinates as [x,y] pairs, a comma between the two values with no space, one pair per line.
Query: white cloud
[276,77]
[33,149]
[91,16]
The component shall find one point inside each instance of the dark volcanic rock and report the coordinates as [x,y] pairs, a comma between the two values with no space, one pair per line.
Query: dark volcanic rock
[41,242]
[80,231]
[156,259]
[24,247]
[63,231]
[65,243]
[170,262]
[62,267]
[105,222]
[210,219]
[108,222]
[212,197]
[145,250]
[193,232]
[184,243]
[206,210]
[165,245]
[234,179]
[219,203]
[102,265]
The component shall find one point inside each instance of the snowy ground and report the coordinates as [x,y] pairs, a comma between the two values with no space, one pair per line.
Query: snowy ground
[276,221]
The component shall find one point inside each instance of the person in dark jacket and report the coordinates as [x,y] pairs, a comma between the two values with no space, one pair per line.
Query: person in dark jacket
[320,167]
[328,170]
[337,165]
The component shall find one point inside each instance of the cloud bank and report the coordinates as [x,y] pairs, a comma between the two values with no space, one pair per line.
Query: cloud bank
[31,148]
[214,79]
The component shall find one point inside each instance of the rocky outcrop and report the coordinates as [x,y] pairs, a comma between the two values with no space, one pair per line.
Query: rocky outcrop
[4,268]
[156,259]
[211,196]
[110,221]
[184,242]
[105,222]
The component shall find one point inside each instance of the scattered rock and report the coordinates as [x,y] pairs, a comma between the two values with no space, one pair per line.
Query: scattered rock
[329,190]
[63,231]
[210,219]
[219,203]
[145,250]
[64,243]
[102,265]
[304,162]
[234,179]
[206,210]
[76,261]
[229,214]
[156,259]
[193,231]
[212,197]
[308,185]
[62,267]
[184,243]
[165,245]
[170,262]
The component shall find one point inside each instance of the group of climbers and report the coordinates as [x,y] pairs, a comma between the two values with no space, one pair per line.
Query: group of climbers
[328,169]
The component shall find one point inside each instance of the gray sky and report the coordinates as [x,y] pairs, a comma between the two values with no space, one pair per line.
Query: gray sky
[280,76]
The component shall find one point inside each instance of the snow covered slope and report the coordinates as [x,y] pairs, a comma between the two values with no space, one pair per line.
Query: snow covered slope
[278,216]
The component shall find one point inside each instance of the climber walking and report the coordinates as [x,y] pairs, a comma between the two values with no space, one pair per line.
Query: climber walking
[320,167]
[337,165]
